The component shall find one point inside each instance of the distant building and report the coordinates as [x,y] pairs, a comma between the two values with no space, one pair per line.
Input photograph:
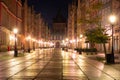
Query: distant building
[59,27]
[34,26]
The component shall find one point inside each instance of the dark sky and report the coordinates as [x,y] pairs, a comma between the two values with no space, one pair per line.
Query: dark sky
[49,8]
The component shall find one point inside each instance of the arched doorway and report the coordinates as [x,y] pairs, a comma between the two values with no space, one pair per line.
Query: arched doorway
[57,44]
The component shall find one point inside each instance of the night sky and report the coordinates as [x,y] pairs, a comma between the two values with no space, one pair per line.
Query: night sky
[49,8]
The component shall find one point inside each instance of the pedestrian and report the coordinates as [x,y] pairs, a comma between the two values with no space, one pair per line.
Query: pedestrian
[8,48]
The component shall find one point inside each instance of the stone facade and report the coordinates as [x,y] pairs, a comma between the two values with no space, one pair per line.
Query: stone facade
[11,17]
[59,27]
[108,7]
[14,14]
[34,26]
[72,24]
[112,7]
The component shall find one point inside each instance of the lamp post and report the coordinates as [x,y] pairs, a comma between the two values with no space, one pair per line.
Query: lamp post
[28,38]
[81,36]
[15,49]
[112,20]
[66,40]
[34,44]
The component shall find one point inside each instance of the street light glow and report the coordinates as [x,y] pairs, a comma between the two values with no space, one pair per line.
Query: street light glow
[28,38]
[81,35]
[11,37]
[63,41]
[112,19]
[66,39]
[15,31]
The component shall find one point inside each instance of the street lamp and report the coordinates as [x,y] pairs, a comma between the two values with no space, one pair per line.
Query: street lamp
[81,36]
[34,44]
[66,40]
[112,20]
[15,49]
[28,39]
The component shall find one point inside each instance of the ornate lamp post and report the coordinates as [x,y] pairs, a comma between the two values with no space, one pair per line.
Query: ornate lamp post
[33,43]
[28,38]
[15,49]
[81,36]
[66,40]
[112,20]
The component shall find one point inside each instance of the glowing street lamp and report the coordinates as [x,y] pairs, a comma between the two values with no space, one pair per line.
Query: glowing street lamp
[28,39]
[33,43]
[15,49]
[81,35]
[66,39]
[112,20]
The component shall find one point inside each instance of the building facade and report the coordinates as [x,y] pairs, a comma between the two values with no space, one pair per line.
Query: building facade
[72,25]
[111,7]
[17,14]
[59,27]
[10,17]
[84,12]
[33,26]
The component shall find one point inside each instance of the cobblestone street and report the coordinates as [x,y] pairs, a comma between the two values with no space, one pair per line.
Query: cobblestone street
[55,64]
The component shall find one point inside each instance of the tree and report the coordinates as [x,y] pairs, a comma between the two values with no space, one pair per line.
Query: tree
[95,33]
[93,19]
[98,36]
[91,15]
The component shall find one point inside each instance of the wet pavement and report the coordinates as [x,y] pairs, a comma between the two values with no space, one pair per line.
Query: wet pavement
[55,64]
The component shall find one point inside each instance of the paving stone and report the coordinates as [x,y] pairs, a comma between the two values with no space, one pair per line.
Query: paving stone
[58,66]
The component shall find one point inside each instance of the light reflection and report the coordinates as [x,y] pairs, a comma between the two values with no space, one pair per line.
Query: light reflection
[81,62]
[112,19]
[14,63]
[86,65]
[64,55]
[15,69]
[69,72]
[74,56]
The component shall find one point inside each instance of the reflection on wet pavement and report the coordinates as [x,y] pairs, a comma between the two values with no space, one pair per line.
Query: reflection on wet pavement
[55,64]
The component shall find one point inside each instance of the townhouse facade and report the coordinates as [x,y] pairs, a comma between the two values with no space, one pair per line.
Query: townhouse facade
[108,7]
[112,7]
[72,24]
[10,17]
[17,14]
[59,29]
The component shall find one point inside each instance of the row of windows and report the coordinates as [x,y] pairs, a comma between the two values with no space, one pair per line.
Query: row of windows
[117,30]
[105,1]
[8,20]
[2,38]
[13,7]
[57,37]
